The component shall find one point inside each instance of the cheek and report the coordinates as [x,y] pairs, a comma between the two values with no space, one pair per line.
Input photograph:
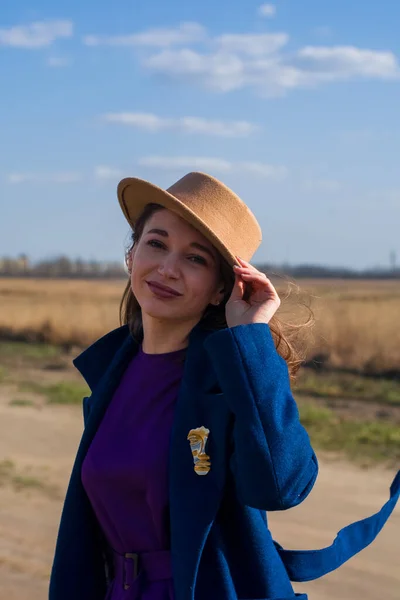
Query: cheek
[135,281]
[201,289]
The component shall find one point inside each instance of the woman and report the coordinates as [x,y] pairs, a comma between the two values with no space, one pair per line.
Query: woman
[191,430]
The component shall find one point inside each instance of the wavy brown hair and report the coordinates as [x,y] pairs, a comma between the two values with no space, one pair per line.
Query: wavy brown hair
[287,336]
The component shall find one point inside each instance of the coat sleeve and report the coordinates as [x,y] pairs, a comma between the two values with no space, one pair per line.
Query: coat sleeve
[273,463]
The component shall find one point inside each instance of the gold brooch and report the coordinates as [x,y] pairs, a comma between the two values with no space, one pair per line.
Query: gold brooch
[198,438]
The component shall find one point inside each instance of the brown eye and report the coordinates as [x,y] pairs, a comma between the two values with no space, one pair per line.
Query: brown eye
[159,244]
[198,259]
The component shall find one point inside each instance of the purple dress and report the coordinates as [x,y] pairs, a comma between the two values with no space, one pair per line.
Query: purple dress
[125,474]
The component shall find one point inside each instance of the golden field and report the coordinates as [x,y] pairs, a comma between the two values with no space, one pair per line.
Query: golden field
[357,322]
[350,419]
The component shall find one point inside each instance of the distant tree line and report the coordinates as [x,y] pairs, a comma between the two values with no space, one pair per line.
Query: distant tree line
[60,266]
[64,267]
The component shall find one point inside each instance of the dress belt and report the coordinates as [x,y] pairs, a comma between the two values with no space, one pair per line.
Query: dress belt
[153,566]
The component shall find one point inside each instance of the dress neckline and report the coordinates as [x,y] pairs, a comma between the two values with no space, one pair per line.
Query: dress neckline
[161,355]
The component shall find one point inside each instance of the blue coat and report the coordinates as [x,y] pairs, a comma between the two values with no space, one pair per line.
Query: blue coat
[236,385]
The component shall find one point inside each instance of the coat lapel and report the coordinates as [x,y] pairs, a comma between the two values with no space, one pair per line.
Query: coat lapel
[78,565]
[194,499]
[106,385]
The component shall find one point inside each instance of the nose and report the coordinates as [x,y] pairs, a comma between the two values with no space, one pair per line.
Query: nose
[169,267]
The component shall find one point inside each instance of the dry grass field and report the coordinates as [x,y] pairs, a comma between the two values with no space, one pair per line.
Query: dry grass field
[348,415]
[357,322]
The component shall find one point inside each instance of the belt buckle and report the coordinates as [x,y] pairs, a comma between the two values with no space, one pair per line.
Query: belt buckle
[135,557]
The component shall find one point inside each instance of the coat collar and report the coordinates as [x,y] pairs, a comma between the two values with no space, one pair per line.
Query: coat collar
[96,360]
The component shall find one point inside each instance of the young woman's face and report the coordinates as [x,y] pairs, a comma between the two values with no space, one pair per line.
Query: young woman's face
[167,254]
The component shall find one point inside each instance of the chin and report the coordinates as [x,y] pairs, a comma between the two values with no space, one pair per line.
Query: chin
[154,308]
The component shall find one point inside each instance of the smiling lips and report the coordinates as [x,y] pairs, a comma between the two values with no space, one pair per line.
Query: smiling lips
[162,291]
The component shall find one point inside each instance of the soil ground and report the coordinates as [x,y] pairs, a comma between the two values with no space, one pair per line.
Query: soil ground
[38,442]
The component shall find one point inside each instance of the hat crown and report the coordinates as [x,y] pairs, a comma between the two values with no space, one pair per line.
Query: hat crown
[216,204]
[200,190]
[205,202]
[196,184]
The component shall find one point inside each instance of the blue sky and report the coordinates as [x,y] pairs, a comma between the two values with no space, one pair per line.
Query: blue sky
[292,104]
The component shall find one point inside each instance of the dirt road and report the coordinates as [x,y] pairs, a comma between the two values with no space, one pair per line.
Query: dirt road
[37,448]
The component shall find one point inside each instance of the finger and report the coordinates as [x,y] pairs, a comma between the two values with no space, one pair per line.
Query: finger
[260,282]
[238,288]
[242,261]
[246,271]
[250,269]
[253,272]
[245,264]
[251,276]
[257,277]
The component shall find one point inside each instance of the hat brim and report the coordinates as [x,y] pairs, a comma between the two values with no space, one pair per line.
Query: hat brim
[134,194]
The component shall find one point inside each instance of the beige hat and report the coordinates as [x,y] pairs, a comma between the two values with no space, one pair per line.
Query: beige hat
[206,203]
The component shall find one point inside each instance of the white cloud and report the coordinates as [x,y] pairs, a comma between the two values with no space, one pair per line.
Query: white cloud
[195,125]
[104,172]
[267,10]
[275,172]
[215,71]
[35,35]
[66,177]
[226,72]
[342,62]
[58,62]
[162,37]
[186,162]
[259,61]
[147,121]
[235,61]
[251,44]
[264,170]
[218,128]
[270,72]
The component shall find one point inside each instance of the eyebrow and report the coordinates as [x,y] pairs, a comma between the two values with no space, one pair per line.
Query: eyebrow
[193,244]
